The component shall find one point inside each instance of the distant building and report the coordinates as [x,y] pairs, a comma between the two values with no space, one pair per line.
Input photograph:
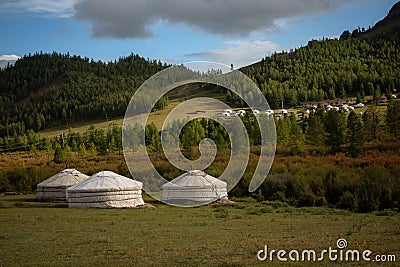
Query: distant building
[334,102]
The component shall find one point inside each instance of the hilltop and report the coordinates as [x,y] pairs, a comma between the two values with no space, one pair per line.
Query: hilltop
[389,26]
[361,62]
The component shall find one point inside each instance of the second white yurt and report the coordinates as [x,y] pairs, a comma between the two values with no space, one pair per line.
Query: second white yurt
[55,187]
[106,189]
[194,188]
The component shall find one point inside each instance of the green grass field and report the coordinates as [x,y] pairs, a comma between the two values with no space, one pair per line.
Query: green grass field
[50,234]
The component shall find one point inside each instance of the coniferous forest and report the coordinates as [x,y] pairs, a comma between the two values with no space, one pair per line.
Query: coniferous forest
[45,90]
[363,62]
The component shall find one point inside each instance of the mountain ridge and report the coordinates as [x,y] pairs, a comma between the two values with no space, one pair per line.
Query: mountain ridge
[385,28]
[359,63]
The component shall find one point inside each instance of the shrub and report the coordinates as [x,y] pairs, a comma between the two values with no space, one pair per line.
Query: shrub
[348,201]
[387,212]
[307,198]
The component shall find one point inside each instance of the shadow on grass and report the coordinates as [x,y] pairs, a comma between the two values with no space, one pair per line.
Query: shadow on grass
[40,205]
[29,202]
[19,199]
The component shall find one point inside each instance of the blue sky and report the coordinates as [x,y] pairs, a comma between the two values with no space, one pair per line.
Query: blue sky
[176,31]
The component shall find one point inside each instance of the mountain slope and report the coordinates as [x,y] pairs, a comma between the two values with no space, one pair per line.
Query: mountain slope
[358,64]
[45,90]
[389,26]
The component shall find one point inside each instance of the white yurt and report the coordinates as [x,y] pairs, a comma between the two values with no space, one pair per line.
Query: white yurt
[106,189]
[54,188]
[194,187]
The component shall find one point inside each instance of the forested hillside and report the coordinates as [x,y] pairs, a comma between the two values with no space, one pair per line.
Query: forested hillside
[361,62]
[44,90]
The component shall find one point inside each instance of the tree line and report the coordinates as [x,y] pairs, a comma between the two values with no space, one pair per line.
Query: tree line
[322,132]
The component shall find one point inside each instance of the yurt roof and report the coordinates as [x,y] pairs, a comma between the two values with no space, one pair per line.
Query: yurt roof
[195,179]
[106,181]
[64,178]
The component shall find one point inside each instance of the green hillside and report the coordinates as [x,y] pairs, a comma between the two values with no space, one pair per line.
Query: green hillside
[361,62]
[47,90]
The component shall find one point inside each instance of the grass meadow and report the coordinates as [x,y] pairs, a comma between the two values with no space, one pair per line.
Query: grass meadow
[50,234]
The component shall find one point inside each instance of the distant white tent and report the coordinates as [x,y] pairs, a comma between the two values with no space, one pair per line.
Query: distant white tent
[54,188]
[359,105]
[194,187]
[106,189]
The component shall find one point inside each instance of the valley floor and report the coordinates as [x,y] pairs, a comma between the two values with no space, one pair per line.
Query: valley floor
[50,234]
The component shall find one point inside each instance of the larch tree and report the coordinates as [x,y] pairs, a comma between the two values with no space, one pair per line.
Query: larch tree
[335,126]
[393,118]
[355,134]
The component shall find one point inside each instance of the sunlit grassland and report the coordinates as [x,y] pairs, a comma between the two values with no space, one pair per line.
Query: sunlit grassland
[50,234]
[177,96]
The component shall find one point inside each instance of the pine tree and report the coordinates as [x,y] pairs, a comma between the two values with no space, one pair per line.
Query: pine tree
[67,153]
[188,142]
[192,134]
[58,154]
[393,118]
[315,133]
[335,126]
[371,120]
[296,136]
[282,131]
[82,149]
[355,134]
[152,137]
[359,100]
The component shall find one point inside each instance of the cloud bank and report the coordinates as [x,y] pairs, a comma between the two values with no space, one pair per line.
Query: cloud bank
[238,53]
[134,18]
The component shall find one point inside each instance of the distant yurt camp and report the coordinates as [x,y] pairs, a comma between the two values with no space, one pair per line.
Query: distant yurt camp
[55,187]
[194,188]
[106,189]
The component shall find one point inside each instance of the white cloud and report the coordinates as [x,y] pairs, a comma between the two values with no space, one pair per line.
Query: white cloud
[9,57]
[240,53]
[59,8]
[8,60]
